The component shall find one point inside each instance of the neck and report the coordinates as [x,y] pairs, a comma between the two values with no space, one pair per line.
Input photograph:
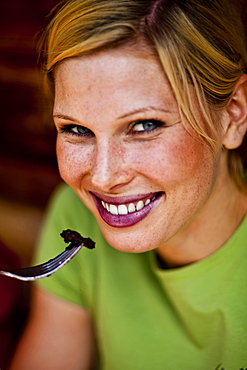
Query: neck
[209,229]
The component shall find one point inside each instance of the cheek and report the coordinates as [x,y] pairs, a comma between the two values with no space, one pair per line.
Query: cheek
[191,175]
[179,161]
[73,162]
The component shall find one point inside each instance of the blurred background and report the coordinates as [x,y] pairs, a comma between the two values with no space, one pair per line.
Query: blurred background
[28,168]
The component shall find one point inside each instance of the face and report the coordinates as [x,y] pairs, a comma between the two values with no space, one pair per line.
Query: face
[122,147]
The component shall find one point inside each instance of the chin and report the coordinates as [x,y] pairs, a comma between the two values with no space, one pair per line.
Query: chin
[128,240]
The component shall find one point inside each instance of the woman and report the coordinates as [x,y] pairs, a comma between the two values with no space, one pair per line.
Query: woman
[150,105]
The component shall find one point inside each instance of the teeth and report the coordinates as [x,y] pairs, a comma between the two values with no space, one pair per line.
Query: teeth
[123,209]
[139,205]
[113,209]
[131,208]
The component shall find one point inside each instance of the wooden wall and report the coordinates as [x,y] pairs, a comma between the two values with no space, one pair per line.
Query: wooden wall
[27,136]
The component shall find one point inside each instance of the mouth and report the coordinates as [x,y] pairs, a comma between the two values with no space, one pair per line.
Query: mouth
[124,213]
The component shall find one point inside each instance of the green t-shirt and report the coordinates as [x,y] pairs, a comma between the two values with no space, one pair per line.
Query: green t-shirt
[190,318]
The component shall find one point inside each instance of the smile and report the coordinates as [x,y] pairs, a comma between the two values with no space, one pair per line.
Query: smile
[124,209]
[118,214]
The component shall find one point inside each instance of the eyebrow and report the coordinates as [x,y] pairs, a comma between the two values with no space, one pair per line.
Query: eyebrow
[136,111]
[146,109]
[63,116]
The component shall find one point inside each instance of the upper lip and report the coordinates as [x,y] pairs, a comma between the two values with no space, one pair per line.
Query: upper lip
[124,199]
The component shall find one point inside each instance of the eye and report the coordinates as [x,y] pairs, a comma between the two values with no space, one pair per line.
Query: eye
[80,130]
[146,125]
[77,130]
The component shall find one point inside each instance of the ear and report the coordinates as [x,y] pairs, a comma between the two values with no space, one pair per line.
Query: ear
[237,113]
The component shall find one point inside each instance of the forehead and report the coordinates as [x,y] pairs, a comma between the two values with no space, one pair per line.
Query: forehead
[121,59]
[125,74]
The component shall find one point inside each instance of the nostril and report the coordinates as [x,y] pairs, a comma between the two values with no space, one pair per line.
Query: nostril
[109,178]
[110,170]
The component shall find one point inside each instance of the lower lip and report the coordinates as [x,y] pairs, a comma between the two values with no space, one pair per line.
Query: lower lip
[125,220]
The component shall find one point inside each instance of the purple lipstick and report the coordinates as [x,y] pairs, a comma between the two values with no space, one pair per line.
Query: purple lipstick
[118,213]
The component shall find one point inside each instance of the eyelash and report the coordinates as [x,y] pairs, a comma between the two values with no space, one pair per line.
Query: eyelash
[68,129]
[155,122]
[158,124]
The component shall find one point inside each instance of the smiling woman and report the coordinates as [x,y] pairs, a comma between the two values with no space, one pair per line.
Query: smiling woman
[150,103]
[125,160]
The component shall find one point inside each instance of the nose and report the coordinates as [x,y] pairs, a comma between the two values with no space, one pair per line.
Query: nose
[110,169]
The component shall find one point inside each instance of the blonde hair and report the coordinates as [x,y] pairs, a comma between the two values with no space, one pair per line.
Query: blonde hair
[199,43]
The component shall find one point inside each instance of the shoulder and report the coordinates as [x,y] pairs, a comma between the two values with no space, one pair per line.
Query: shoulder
[64,198]
[68,209]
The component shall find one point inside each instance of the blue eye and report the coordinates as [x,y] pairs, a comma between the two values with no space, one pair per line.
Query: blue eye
[80,130]
[148,125]
[77,130]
